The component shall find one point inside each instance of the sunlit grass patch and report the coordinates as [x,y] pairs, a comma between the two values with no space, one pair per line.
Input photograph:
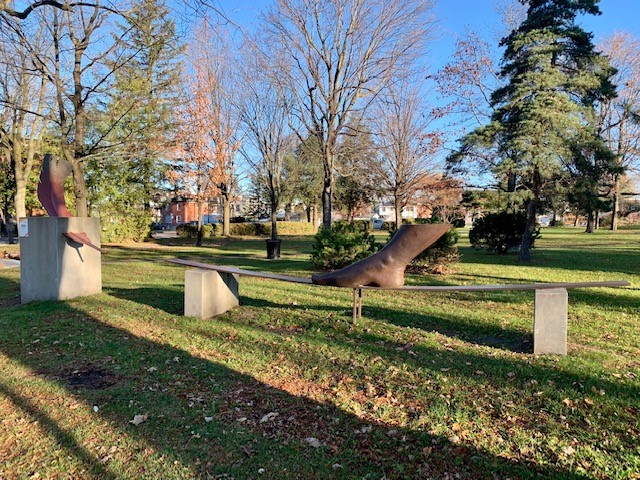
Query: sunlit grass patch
[424,386]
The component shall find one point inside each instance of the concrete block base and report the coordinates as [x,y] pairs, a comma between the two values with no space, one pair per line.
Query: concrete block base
[208,293]
[550,321]
[53,267]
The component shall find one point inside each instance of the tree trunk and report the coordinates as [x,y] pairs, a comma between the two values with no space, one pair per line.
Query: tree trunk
[326,203]
[327,190]
[20,198]
[287,212]
[590,221]
[596,220]
[397,203]
[199,236]
[575,221]
[274,219]
[226,212]
[308,210]
[314,216]
[615,203]
[79,188]
[532,209]
[7,224]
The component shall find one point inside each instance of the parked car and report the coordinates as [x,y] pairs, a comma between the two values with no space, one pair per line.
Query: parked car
[158,227]
[377,223]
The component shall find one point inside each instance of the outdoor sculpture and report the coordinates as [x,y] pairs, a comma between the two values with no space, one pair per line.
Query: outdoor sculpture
[54,265]
[51,195]
[386,268]
[51,186]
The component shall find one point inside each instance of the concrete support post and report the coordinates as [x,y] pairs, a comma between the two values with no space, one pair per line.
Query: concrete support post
[550,321]
[53,267]
[208,293]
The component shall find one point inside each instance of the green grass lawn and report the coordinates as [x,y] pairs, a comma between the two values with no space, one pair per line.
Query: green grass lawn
[425,386]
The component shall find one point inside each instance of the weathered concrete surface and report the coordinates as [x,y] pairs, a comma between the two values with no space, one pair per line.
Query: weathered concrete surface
[208,293]
[53,267]
[550,321]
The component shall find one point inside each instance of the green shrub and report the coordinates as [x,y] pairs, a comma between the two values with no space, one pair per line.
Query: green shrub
[247,229]
[237,220]
[186,231]
[388,226]
[341,245]
[439,257]
[211,230]
[500,232]
[131,224]
[191,231]
[364,225]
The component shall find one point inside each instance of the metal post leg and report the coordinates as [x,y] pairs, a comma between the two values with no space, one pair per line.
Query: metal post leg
[355,306]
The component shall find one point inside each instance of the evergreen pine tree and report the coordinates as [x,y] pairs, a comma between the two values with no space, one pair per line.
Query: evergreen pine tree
[554,76]
[144,97]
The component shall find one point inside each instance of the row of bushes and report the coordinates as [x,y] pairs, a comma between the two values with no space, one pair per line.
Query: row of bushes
[250,229]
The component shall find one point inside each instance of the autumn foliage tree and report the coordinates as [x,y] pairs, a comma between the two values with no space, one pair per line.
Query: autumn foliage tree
[195,172]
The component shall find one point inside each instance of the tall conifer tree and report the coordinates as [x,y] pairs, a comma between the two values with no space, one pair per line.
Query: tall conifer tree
[144,98]
[554,76]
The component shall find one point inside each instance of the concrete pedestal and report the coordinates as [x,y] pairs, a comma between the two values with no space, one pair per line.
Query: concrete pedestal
[53,267]
[208,293]
[550,321]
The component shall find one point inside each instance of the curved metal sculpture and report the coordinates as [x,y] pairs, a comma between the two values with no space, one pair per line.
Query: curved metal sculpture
[51,194]
[386,268]
[51,186]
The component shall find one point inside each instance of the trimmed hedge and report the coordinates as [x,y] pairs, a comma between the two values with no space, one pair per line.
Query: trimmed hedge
[258,229]
[246,229]
[191,231]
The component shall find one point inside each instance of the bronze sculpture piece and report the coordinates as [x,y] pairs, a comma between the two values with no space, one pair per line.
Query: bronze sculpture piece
[51,186]
[386,268]
[51,195]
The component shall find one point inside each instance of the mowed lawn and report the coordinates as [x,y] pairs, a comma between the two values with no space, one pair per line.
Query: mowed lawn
[425,386]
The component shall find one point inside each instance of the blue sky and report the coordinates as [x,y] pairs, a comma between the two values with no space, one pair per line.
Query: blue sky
[454,16]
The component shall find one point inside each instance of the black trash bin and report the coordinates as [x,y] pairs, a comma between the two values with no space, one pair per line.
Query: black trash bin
[273,249]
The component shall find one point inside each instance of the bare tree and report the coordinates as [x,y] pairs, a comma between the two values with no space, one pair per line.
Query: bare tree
[408,141]
[23,103]
[267,118]
[343,52]
[80,66]
[620,117]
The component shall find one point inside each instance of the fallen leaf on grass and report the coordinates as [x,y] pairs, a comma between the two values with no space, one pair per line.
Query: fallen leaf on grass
[138,419]
[314,442]
[269,416]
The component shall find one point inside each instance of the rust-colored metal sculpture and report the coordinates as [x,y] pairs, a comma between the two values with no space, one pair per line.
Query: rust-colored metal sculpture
[51,186]
[386,268]
[51,194]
